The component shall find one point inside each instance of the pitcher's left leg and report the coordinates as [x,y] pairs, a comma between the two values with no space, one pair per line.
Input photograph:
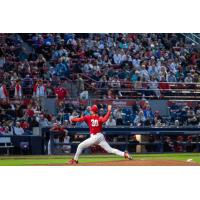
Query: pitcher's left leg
[109,149]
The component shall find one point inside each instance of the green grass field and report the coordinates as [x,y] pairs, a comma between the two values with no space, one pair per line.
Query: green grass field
[44,160]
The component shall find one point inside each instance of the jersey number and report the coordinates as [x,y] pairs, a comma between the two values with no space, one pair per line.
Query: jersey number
[95,122]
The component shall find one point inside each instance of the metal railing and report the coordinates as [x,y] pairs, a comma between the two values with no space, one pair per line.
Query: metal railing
[193,37]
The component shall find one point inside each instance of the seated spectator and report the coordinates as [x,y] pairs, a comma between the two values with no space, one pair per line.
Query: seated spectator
[136,108]
[148,114]
[73,115]
[144,73]
[158,119]
[13,79]
[43,121]
[62,68]
[87,111]
[34,123]
[171,77]
[192,120]
[17,130]
[6,131]
[139,119]
[117,113]
[111,122]
[135,77]
[174,112]
[189,78]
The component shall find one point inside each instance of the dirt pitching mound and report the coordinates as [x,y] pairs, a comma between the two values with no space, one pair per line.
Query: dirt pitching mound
[134,163]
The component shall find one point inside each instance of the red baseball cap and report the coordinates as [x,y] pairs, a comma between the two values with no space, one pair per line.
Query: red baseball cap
[94,108]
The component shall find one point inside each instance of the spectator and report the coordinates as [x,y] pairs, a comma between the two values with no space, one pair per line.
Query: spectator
[136,108]
[111,122]
[118,116]
[43,121]
[18,90]
[73,115]
[14,78]
[139,119]
[3,91]
[5,131]
[17,130]
[189,78]
[192,120]
[40,93]
[148,114]
[87,111]
[171,77]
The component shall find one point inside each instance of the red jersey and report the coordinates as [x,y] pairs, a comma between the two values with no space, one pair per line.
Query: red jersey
[94,122]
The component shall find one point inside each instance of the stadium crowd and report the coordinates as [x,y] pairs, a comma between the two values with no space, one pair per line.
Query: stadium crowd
[36,66]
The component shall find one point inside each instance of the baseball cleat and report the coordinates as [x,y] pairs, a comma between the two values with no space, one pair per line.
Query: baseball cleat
[73,162]
[127,155]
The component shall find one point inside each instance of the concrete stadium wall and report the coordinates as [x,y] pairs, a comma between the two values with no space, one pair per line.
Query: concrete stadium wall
[50,105]
[160,105]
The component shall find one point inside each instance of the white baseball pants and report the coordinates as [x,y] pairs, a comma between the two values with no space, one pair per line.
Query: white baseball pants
[97,139]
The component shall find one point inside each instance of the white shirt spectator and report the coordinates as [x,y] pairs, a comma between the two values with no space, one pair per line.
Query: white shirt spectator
[139,119]
[3,92]
[84,95]
[188,79]
[144,73]
[173,67]
[153,70]
[171,78]
[117,58]
[117,113]
[18,130]
[40,91]
[123,57]
[5,131]
[44,122]
[136,63]
[111,122]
